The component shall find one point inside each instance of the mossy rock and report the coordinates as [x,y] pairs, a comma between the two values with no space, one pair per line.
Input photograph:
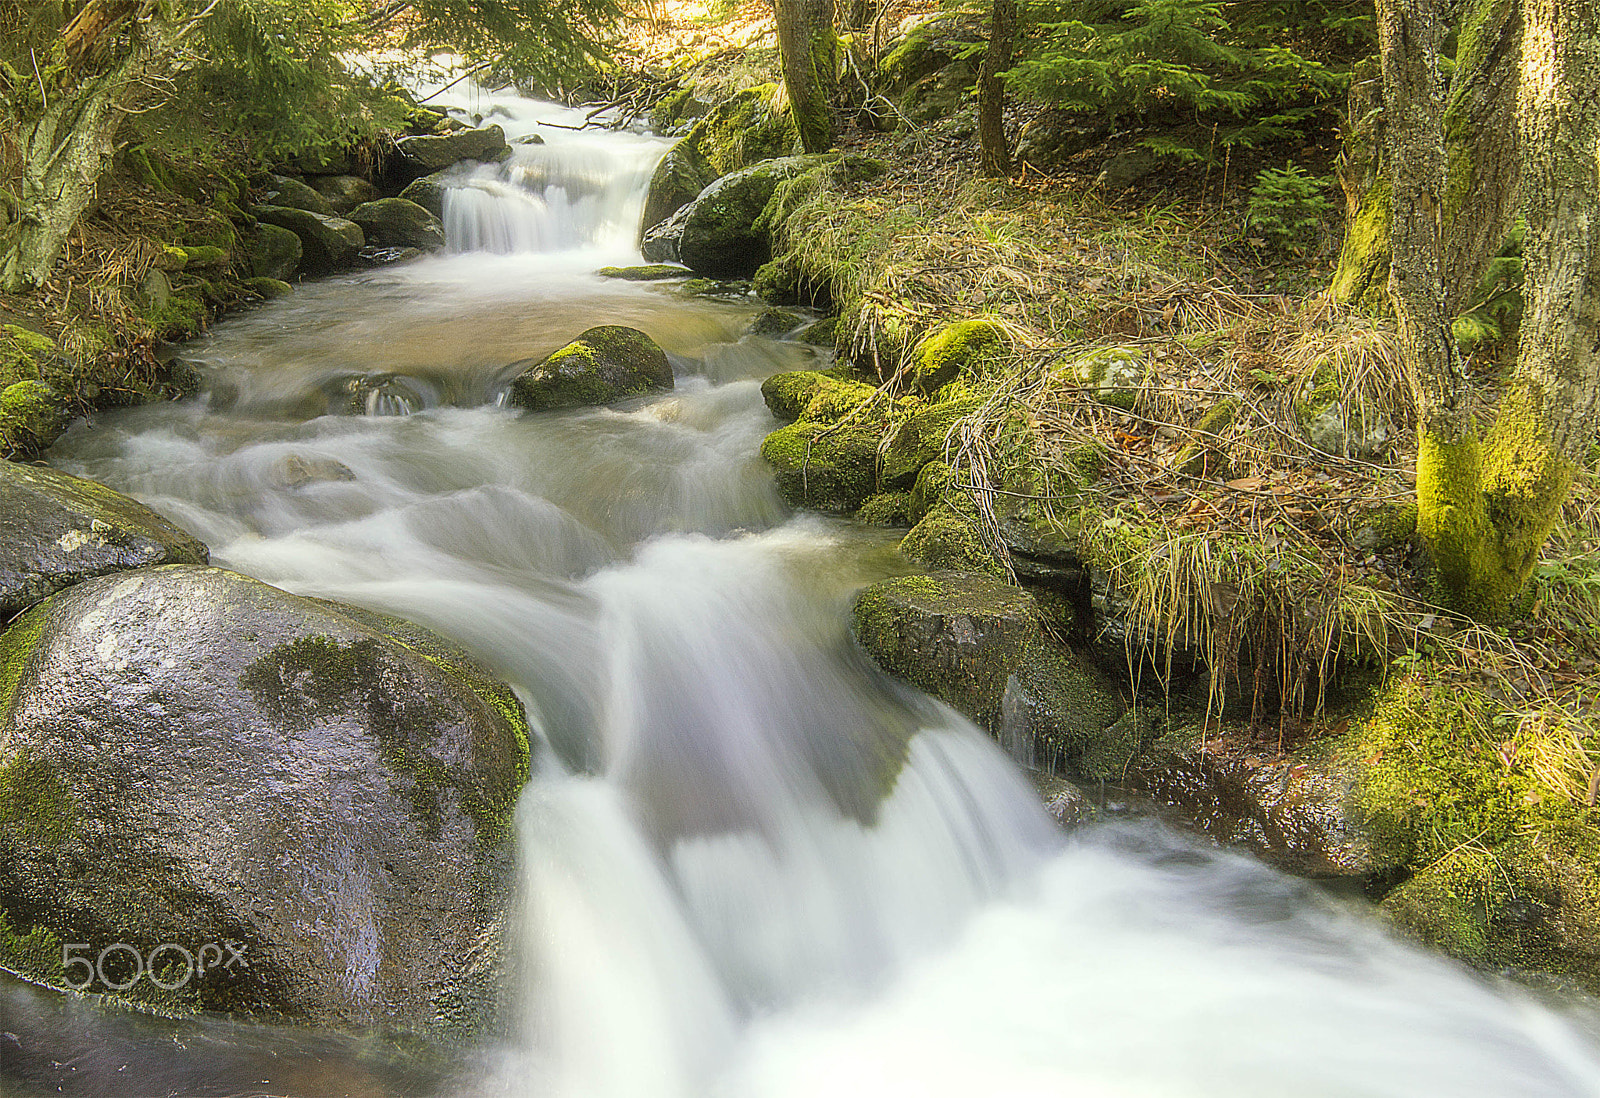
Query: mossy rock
[266,288]
[721,235]
[749,127]
[979,644]
[201,256]
[287,191]
[24,354]
[430,153]
[932,482]
[824,333]
[650,272]
[824,468]
[190,755]
[922,438]
[275,253]
[604,364]
[812,395]
[328,244]
[943,539]
[1113,374]
[32,416]
[399,222]
[428,192]
[1206,457]
[958,349]
[676,109]
[179,317]
[886,509]
[773,322]
[59,530]
[345,192]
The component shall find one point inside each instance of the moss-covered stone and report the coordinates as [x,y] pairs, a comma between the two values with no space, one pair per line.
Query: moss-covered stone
[1113,374]
[179,317]
[675,109]
[886,509]
[266,288]
[604,364]
[398,223]
[722,234]
[1205,456]
[943,539]
[923,437]
[32,416]
[23,353]
[651,272]
[774,322]
[812,395]
[275,253]
[956,349]
[824,333]
[202,256]
[327,244]
[978,644]
[932,482]
[824,468]
[745,129]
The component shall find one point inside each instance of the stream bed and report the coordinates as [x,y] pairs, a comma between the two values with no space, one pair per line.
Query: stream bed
[737,879]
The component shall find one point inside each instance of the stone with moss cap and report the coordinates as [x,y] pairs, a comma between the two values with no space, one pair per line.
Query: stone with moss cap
[191,755]
[813,395]
[604,364]
[979,644]
[23,353]
[749,127]
[32,416]
[943,539]
[824,467]
[722,237]
[328,244]
[59,530]
[1114,374]
[955,349]
[923,437]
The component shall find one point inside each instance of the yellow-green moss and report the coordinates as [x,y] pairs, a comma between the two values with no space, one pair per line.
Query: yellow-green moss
[932,482]
[921,438]
[813,395]
[32,416]
[34,802]
[1202,457]
[944,539]
[1362,277]
[1114,374]
[829,469]
[962,347]
[886,509]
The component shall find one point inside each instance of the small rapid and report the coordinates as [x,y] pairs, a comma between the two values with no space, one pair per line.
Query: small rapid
[751,864]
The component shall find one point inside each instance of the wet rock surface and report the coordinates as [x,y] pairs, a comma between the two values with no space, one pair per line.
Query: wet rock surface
[604,364]
[57,530]
[192,756]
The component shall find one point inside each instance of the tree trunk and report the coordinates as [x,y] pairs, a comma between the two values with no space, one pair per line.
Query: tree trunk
[1484,508]
[994,154]
[1362,277]
[809,46]
[66,149]
[1481,163]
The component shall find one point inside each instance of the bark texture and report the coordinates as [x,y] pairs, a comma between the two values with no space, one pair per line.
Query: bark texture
[1362,277]
[809,46]
[69,142]
[1485,508]
[993,153]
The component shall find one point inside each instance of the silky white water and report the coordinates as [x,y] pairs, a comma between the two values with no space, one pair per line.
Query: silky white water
[752,865]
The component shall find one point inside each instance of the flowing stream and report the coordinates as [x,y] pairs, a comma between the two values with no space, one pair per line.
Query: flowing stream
[731,884]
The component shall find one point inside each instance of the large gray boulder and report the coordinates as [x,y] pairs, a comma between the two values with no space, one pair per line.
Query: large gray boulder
[429,153]
[721,236]
[399,222]
[57,530]
[428,192]
[275,253]
[328,244]
[190,756]
[982,646]
[602,365]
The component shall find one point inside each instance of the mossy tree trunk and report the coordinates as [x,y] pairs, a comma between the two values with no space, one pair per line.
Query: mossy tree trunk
[69,137]
[1481,162]
[1485,505]
[809,46]
[993,152]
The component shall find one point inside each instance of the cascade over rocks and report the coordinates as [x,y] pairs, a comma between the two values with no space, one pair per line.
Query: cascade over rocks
[604,364]
[191,756]
[980,645]
[59,530]
[328,244]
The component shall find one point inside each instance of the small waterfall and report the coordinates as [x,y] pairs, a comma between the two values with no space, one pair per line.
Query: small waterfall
[564,187]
